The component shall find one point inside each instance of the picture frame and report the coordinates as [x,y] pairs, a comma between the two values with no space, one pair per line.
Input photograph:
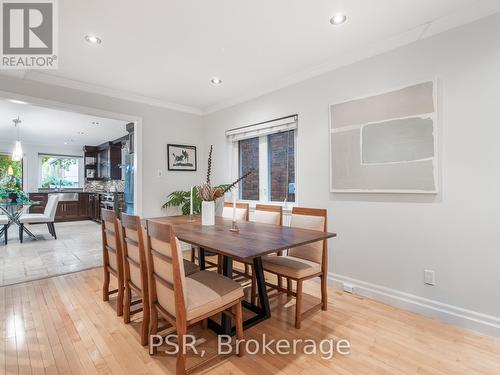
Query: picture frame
[181,157]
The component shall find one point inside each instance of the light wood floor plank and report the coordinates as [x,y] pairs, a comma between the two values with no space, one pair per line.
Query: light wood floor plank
[60,326]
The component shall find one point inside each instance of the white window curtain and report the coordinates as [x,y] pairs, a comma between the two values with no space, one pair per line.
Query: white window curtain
[262,129]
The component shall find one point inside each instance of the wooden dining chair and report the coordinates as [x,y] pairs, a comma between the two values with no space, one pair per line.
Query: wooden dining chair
[267,214]
[242,211]
[184,301]
[135,272]
[303,262]
[112,257]
[242,214]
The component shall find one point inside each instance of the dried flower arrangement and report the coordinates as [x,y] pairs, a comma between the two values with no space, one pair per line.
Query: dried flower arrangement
[209,193]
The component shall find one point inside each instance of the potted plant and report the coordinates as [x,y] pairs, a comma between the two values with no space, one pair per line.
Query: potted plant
[204,196]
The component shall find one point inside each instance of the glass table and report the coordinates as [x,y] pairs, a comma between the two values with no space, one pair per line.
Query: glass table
[14,210]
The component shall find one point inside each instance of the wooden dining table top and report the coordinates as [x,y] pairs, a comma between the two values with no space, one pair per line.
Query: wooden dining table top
[253,239]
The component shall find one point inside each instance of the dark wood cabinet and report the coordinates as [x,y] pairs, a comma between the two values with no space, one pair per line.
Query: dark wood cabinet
[66,211]
[38,208]
[103,162]
[94,207]
[83,205]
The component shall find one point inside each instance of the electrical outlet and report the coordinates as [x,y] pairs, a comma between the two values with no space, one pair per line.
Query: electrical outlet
[160,172]
[349,288]
[429,277]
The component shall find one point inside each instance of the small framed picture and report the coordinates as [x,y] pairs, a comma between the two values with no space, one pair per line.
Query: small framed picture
[181,157]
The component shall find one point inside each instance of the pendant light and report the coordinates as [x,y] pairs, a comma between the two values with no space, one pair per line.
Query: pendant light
[17,154]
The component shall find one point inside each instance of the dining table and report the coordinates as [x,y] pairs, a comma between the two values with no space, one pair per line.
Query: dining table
[14,210]
[251,242]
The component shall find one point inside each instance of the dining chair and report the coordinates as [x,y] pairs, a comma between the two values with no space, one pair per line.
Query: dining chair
[135,272]
[112,257]
[47,217]
[184,301]
[242,214]
[303,262]
[4,221]
[242,211]
[267,214]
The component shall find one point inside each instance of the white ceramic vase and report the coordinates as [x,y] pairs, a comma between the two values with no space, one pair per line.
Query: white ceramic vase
[207,213]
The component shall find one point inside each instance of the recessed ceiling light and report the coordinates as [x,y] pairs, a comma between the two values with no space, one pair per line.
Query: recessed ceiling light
[338,19]
[92,39]
[216,81]
[15,101]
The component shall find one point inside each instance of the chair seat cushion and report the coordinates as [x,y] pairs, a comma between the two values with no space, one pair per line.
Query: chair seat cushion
[4,220]
[34,218]
[207,291]
[290,266]
[190,267]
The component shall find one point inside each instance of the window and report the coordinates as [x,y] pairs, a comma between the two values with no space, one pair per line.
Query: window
[281,149]
[249,161]
[59,171]
[268,150]
[11,173]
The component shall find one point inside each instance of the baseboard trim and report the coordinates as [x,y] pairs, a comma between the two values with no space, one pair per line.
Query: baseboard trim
[483,323]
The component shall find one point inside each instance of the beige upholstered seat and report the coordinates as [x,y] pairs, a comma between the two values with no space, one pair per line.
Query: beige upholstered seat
[289,266]
[181,300]
[208,290]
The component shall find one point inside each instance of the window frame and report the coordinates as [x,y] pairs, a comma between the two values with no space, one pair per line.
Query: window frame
[79,158]
[264,178]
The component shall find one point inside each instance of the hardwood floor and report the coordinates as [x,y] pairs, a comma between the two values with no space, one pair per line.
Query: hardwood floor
[61,326]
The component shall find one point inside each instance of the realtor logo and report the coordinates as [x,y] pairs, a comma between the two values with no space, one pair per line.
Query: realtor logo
[29,34]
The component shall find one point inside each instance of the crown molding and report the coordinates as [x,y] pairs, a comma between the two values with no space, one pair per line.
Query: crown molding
[467,14]
[461,17]
[38,76]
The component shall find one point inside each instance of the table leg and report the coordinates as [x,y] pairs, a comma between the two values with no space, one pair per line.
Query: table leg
[227,270]
[201,258]
[262,313]
[14,219]
[261,287]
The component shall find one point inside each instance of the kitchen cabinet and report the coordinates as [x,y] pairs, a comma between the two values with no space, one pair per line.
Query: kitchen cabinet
[83,205]
[94,207]
[66,211]
[103,162]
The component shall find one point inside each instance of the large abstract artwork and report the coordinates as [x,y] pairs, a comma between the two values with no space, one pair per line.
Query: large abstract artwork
[385,143]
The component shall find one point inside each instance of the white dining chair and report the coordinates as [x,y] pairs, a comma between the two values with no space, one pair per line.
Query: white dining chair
[4,221]
[47,217]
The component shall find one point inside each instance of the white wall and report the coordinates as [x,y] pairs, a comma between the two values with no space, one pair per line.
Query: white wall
[159,127]
[386,241]
[31,168]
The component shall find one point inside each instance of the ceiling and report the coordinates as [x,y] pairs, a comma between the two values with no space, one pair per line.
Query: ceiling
[45,126]
[165,52]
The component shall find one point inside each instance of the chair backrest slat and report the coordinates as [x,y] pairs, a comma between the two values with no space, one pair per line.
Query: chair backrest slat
[314,219]
[134,253]
[165,269]
[242,211]
[112,250]
[268,214]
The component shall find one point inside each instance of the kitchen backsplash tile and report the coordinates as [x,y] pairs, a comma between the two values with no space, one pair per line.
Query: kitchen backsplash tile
[116,185]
